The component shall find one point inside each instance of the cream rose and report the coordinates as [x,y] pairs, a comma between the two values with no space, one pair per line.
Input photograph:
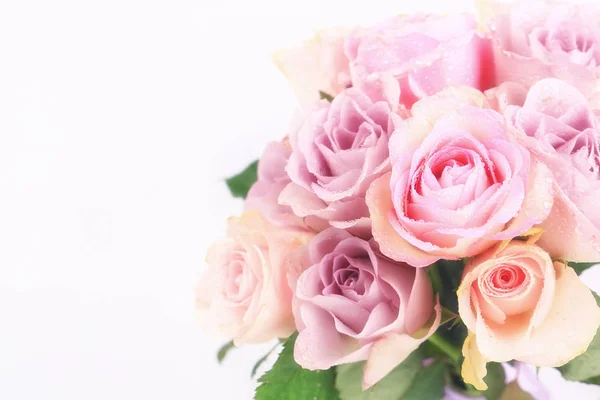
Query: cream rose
[244,294]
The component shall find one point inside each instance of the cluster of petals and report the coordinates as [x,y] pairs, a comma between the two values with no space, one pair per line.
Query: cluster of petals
[419,139]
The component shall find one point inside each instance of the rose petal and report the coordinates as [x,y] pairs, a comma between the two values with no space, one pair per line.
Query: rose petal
[568,329]
[568,234]
[379,200]
[537,203]
[387,353]
[474,366]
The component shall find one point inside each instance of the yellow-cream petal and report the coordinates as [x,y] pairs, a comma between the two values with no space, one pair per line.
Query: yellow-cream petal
[474,366]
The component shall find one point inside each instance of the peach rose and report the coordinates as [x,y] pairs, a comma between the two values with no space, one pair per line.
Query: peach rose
[244,294]
[517,304]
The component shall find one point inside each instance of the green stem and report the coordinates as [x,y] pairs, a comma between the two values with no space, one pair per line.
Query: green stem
[448,348]
[436,279]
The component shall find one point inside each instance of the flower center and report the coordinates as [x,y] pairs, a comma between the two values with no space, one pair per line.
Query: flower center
[511,288]
[507,278]
[456,173]
[347,278]
[240,281]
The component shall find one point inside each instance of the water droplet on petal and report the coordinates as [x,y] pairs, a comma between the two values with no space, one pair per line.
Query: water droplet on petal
[596,245]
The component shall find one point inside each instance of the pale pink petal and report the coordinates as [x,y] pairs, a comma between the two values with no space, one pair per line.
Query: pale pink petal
[302,201]
[419,303]
[319,345]
[507,94]
[387,353]
[537,203]
[568,234]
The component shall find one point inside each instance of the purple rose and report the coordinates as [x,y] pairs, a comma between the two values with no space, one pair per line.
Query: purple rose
[272,179]
[354,304]
[544,39]
[338,149]
[563,130]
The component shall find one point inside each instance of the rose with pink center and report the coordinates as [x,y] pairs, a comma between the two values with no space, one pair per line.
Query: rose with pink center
[460,182]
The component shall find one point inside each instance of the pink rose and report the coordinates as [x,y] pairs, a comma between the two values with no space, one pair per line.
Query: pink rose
[540,39]
[517,304]
[244,294]
[459,183]
[272,179]
[318,65]
[338,149]
[353,304]
[423,53]
[563,132]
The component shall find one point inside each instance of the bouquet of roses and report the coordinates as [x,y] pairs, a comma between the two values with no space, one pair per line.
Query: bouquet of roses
[420,230]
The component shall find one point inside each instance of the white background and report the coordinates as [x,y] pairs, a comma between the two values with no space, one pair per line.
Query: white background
[118,122]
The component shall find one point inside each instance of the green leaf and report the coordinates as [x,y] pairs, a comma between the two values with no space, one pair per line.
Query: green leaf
[429,384]
[224,350]
[431,351]
[325,96]
[586,367]
[456,333]
[455,381]
[240,184]
[448,316]
[453,353]
[495,379]
[580,267]
[289,381]
[446,276]
[593,381]
[393,386]
[262,360]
